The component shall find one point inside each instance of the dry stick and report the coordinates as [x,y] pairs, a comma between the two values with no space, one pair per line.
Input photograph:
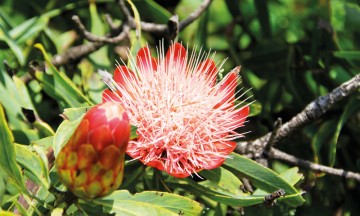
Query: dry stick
[312,111]
[279,155]
[263,160]
[273,135]
[75,53]
[163,28]
[194,15]
[106,39]
[80,51]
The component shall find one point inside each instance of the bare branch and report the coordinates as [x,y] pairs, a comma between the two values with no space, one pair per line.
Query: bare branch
[319,107]
[110,22]
[194,15]
[75,53]
[273,135]
[279,155]
[106,39]
[312,111]
[163,28]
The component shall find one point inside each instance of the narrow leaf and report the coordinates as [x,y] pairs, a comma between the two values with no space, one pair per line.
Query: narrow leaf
[7,153]
[262,177]
[58,85]
[149,203]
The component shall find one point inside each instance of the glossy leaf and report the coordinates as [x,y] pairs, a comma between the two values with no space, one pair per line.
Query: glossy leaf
[8,155]
[219,195]
[350,55]
[223,179]
[13,45]
[262,177]
[148,203]
[32,164]
[292,175]
[59,86]
[67,128]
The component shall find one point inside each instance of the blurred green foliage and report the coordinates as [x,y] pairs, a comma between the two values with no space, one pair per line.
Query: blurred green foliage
[290,51]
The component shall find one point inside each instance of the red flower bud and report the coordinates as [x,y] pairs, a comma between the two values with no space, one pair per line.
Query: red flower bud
[91,164]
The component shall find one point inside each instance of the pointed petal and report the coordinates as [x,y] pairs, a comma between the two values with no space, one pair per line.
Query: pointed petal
[87,156]
[228,86]
[144,60]
[241,115]
[100,138]
[109,156]
[81,135]
[209,68]
[121,135]
[111,96]
[122,74]
[176,53]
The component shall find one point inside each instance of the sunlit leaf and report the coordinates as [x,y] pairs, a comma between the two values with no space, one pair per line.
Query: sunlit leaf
[59,86]
[262,177]
[148,203]
[33,164]
[7,151]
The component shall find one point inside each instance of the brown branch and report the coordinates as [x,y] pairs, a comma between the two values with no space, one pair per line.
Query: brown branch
[145,26]
[312,111]
[163,28]
[106,39]
[110,22]
[279,155]
[75,53]
[273,134]
[81,51]
[194,15]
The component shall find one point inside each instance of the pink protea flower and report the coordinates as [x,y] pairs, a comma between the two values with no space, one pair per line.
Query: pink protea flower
[185,121]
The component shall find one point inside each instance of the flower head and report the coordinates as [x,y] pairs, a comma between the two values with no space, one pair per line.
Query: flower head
[185,121]
[91,164]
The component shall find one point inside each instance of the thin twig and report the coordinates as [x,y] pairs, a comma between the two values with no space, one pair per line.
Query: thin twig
[110,22]
[194,15]
[80,51]
[263,160]
[279,155]
[75,53]
[273,135]
[106,39]
[163,28]
[312,111]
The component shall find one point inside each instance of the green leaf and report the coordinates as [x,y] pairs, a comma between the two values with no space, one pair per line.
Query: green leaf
[7,153]
[148,203]
[351,107]
[43,128]
[218,195]
[29,29]
[350,55]
[292,175]
[322,136]
[2,186]
[329,132]
[223,179]
[100,57]
[33,164]
[9,98]
[264,18]
[136,18]
[59,86]
[13,45]
[262,177]
[133,133]
[154,11]
[67,127]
